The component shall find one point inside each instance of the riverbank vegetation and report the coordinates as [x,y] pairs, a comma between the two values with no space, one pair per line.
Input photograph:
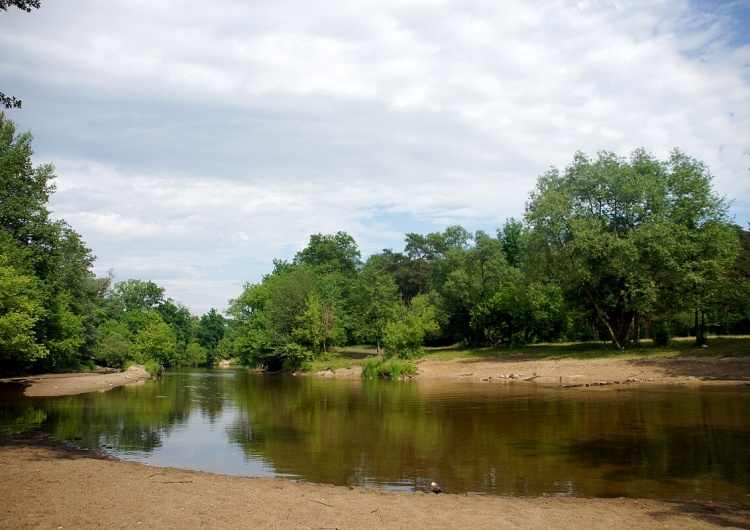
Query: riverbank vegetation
[624,251]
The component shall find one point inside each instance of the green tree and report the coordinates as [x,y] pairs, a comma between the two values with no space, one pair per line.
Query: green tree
[376,303]
[615,230]
[405,336]
[212,328]
[19,312]
[115,345]
[156,342]
[49,251]
[337,252]
[266,316]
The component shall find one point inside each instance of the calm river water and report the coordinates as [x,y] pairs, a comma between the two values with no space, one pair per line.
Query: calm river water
[493,438]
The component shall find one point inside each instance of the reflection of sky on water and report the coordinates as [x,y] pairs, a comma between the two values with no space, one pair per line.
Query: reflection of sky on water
[201,445]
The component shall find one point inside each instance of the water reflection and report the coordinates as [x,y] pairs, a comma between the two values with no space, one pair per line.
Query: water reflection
[501,439]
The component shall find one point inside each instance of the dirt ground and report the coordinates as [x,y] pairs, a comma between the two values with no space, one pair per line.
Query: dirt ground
[48,484]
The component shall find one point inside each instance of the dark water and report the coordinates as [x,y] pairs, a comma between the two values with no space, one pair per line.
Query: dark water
[500,439]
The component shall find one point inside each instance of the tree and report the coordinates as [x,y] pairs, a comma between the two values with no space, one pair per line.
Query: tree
[376,302]
[337,252]
[19,312]
[115,344]
[404,337]
[634,236]
[266,316]
[25,5]
[212,328]
[50,252]
[157,342]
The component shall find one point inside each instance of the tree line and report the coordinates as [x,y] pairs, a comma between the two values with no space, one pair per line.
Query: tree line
[610,249]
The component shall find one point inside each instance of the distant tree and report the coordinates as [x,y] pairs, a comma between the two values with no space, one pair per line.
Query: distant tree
[337,252]
[405,336]
[212,328]
[376,303]
[511,235]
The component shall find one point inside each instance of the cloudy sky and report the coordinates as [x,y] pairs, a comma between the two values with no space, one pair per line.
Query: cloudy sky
[196,141]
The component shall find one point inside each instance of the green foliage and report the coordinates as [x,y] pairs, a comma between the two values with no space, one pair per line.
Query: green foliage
[376,303]
[662,333]
[331,253]
[211,331]
[403,338]
[636,237]
[115,345]
[389,369]
[156,342]
[153,367]
[194,355]
[19,312]
[52,324]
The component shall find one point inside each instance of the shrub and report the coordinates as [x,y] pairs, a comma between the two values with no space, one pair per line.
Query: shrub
[390,369]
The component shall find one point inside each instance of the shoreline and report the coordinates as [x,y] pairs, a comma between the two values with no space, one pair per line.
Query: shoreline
[51,484]
[56,484]
[516,369]
[67,384]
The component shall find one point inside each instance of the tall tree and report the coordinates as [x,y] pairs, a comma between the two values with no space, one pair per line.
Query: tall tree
[630,233]
[377,303]
[49,251]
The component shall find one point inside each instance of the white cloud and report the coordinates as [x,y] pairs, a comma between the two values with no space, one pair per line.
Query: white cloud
[195,142]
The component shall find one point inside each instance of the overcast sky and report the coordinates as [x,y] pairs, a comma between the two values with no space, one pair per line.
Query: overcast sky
[196,141]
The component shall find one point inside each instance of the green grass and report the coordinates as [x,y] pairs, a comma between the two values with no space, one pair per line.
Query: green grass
[730,346]
[735,346]
[390,369]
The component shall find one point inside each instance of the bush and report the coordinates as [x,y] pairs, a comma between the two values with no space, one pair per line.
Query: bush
[390,369]
[153,367]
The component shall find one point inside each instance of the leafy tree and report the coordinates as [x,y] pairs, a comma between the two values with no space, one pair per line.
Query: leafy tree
[194,355]
[115,345]
[404,337]
[19,312]
[467,276]
[25,5]
[49,251]
[136,295]
[266,316]
[212,329]
[411,275]
[377,303]
[511,235]
[631,235]
[317,324]
[337,252]
[157,342]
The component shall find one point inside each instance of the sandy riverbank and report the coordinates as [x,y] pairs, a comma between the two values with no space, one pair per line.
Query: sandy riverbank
[52,485]
[78,382]
[571,372]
